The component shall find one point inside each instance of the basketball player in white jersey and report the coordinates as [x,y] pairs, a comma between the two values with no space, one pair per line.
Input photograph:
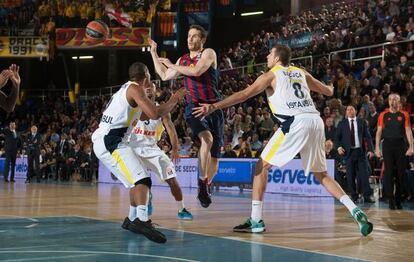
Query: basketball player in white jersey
[114,132]
[144,139]
[302,131]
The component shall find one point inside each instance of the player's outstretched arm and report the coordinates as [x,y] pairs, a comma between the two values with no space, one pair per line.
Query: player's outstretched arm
[9,102]
[137,93]
[208,58]
[172,133]
[261,83]
[164,72]
[317,86]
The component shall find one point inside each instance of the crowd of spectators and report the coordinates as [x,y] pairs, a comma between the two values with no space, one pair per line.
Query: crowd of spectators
[333,27]
[38,16]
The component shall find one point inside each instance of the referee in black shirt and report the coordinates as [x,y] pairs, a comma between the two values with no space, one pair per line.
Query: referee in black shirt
[393,126]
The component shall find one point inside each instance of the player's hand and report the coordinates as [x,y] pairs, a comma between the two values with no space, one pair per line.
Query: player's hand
[378,153]
[203,110]
[15,78]
[180,93]
[153,45]
[166,62]
[341,151]
[4,77]
[175,156]
[409,152]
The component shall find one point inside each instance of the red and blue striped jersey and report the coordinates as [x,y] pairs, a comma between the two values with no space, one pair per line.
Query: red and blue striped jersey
[203,88]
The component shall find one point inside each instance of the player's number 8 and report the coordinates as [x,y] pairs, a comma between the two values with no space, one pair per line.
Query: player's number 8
[298,91]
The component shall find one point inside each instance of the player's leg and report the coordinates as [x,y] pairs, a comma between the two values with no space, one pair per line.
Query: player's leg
[255,223]
[156,160]
[175,188]
[314,159]
[216,127]
[127,167]
[204,157]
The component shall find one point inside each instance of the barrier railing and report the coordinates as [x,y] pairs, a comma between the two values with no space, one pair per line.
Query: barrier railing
[347,55]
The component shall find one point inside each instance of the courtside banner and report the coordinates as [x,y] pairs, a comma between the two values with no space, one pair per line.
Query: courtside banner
[122,37]
[20,170]
[186,170]
[24,46]
[290,179]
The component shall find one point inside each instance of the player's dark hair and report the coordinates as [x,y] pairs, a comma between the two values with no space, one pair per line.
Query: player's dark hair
[137,71]
[283,52]
[202,31]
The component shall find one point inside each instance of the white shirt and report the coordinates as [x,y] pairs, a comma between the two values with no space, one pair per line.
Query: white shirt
[357,145]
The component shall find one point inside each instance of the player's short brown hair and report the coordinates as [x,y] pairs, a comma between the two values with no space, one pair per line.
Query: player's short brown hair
[283,52]
[202,31]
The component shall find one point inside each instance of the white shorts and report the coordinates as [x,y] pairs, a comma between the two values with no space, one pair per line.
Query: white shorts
[122,162]
[306,135]
[157,161]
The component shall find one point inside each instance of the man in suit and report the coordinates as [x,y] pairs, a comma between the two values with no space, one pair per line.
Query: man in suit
[89,164]
[354,142]
[62,154]
[33,154]
[11,144]
[330,130]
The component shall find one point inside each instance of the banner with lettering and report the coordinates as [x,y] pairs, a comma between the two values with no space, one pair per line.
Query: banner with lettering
[122,37]
[24,46]
[289,179]
[296,41]
[20,169]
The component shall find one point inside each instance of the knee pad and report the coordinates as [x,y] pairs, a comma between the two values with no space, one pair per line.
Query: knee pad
[145,181]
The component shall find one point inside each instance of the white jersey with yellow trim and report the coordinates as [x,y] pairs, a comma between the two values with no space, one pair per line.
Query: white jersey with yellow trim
[291,94]
[118,114]
[147,132]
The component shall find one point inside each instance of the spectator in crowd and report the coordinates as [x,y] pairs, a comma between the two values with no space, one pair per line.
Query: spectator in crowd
[245,150]
[229,152]
[330,129]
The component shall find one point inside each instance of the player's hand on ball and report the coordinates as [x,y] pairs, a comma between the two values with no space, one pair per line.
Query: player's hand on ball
[203,110]
[165,61]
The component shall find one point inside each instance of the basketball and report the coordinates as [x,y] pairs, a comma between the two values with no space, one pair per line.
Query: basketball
[97,30]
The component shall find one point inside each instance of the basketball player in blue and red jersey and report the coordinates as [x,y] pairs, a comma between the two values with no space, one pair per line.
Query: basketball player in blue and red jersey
[199,69]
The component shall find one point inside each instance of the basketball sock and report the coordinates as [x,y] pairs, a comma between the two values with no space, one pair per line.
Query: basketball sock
[347,202]
[180,205]
[257,208]
[132,213]
[142,213]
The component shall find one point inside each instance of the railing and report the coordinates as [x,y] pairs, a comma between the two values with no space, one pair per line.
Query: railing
[306,61]
[350,58]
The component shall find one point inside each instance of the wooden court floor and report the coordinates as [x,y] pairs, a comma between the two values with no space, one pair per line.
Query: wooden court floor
[318,225]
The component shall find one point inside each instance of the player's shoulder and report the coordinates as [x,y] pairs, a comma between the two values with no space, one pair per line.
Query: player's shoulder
[209,51]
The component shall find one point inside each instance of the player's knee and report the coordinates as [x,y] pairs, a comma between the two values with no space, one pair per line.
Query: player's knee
[172,182]
[145,181]
[319,176]
[207,139]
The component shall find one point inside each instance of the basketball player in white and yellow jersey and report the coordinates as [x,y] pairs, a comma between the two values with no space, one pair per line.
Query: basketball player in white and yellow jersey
[110,145]
[144,138]
[302,131]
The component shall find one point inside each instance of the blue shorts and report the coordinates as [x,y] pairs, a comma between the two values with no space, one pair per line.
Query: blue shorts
[213,123]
